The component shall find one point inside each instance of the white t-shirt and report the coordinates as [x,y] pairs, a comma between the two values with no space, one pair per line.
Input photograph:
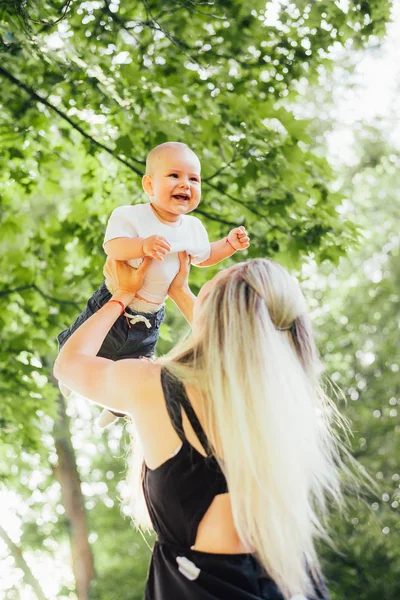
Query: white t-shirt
[140,220]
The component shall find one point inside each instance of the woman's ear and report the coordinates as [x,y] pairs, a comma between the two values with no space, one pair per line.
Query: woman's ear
[147,184]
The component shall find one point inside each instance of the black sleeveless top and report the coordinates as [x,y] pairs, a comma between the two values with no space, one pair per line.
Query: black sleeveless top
[178,493]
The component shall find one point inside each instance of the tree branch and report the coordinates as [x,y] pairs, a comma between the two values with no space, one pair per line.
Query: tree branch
[35,287]
[120,22]
[247,207]
[15,290]
[71,302]
[184,48]
[44,21]
[21,564]
[193,9]
[232,161]
[218,219]
[44,101]
[169,36]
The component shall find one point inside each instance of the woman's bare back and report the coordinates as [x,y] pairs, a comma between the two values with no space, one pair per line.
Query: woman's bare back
[216,532]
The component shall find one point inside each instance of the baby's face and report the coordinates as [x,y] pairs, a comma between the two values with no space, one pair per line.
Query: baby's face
[175,181]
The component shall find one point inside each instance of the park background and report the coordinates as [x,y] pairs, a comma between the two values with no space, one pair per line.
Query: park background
[293,110]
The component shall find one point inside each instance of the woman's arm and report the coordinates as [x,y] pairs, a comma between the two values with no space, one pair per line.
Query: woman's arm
[114,385]
[179,290]
[184,299]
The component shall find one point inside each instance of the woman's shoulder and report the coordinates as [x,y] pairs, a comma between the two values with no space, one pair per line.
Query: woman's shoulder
[152,368]
[137,380]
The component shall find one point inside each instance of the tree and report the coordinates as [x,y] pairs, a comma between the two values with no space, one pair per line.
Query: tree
[82,102]
[358,331]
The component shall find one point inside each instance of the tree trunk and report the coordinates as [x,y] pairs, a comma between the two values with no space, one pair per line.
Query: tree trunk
[67,475]
[20,562]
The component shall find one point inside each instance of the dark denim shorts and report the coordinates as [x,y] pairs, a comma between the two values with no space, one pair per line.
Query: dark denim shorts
[121,341]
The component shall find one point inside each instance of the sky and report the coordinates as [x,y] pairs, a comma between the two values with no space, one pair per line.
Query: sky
[375,95]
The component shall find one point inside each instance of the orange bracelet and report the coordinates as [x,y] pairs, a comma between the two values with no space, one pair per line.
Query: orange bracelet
[228,242]
[120,303]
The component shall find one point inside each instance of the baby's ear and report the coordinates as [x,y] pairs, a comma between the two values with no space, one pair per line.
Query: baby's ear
[147,184]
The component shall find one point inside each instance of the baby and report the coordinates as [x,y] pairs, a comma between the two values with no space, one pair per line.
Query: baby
[160,228]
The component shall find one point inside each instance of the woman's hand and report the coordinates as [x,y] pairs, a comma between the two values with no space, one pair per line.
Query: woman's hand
[123,278]
[180,280]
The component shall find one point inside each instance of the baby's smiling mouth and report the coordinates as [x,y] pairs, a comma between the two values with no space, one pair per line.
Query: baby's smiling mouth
[182,197]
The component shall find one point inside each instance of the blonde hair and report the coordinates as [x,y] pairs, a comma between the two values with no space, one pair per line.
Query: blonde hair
[266,414]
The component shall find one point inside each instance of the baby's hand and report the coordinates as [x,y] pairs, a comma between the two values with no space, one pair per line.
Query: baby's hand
[156,246]
[238,238]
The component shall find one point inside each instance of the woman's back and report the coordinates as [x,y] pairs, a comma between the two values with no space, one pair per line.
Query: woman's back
[175,448]
[198,554]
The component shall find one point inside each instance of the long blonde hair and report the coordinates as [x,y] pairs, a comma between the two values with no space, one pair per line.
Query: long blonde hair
[266,414]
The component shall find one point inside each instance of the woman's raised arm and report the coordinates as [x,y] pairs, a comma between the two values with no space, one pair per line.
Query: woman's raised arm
[99,379]
[179,290]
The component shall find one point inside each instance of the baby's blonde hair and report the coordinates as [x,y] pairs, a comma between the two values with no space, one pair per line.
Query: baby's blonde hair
[266,414]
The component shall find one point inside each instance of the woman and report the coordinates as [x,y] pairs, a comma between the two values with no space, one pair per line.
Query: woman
[238,446]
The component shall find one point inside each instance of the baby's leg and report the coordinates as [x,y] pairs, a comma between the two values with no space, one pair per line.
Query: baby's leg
[96,301]
[141,342]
